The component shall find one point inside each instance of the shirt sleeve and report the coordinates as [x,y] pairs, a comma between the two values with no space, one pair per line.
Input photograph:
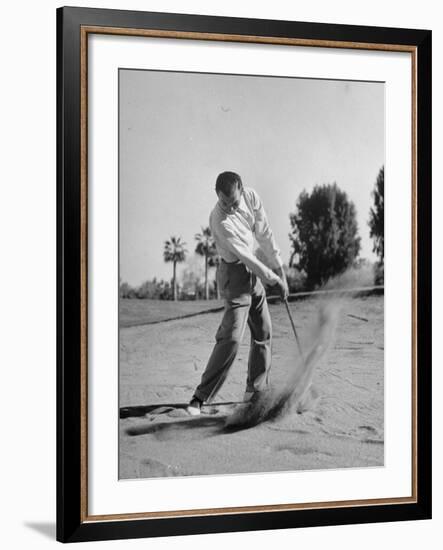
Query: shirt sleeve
[264,235]
[242,252]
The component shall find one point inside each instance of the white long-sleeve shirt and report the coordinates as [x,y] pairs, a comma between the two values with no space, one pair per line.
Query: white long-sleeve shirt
[234,236]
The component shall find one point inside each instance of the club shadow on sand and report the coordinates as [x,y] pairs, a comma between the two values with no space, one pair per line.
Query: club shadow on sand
[202,425]
[206,425]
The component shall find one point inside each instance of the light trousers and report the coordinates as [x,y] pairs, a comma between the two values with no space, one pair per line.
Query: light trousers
[245,302]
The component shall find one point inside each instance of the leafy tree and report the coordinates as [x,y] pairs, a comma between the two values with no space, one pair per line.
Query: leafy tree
[324,234]
[174,251]
[377,216]
[296,279]
[126,291]
[190,284]
[149,290]
[206,248]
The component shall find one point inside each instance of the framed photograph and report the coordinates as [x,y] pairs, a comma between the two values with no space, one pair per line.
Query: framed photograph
[244,334]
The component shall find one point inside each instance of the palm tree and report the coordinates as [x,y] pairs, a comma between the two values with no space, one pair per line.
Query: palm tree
[175,252]
[205,247]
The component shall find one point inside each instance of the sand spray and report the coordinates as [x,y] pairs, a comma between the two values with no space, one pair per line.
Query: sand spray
[298,393]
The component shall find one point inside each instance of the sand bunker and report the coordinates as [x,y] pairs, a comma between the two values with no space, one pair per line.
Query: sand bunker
[342,340]
[345,429]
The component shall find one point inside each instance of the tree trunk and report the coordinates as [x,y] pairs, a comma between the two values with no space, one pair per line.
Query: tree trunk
[174,286]
[206,278]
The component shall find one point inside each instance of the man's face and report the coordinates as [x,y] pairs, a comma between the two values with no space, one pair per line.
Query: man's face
[231,202]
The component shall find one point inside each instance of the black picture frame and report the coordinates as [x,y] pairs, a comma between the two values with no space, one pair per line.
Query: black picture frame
[73,523]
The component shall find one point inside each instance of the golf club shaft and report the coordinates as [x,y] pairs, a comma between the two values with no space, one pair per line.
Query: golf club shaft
[294,329]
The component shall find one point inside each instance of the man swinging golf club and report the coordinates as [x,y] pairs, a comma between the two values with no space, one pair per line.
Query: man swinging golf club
[236,219]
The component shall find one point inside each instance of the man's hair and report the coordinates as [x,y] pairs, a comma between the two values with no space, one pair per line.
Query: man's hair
[227,181]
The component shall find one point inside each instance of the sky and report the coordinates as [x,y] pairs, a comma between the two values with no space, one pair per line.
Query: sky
[178,131]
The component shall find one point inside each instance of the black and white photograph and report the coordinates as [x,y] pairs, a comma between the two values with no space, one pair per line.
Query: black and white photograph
[251,274]
[215,335]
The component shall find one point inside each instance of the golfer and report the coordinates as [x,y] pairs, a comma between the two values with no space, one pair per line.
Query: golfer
[236,219]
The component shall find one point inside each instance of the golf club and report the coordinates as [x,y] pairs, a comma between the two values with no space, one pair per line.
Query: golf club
[294,329]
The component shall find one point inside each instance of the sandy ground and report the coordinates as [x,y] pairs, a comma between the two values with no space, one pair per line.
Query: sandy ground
[161,364]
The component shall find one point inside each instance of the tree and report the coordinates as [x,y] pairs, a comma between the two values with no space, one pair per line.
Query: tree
[126,291]
[324,234]
[190,284]
[175,252]
[214,261]
[377,216]
[206,248]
